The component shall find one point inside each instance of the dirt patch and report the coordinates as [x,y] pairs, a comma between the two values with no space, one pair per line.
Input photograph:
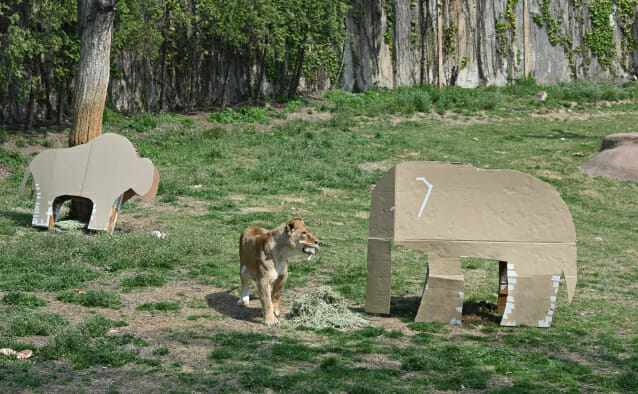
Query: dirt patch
[4,173]
[203,310]
[374,166]
[54,139]
[256,209]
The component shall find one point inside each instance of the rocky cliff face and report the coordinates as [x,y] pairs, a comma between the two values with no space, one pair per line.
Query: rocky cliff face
[469,43]
[396,43]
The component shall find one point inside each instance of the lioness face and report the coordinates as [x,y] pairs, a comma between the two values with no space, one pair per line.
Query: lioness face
[301,238]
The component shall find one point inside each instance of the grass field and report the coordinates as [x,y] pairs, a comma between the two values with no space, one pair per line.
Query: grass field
[130,312]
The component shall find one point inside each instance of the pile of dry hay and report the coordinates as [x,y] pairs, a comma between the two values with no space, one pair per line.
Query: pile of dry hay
[69,225]
[324,308]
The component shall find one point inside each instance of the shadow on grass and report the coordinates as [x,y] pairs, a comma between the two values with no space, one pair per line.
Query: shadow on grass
[559,133]
[407,307]
[480,311]
[21,219]
[404,307]
[226,304]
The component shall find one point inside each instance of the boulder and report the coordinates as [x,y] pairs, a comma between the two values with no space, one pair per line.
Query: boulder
[618,158]
[615,140]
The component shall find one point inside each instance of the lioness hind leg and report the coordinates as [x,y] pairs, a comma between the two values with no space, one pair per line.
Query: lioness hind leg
[245,277]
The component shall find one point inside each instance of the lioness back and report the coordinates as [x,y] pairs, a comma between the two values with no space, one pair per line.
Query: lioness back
[249,247]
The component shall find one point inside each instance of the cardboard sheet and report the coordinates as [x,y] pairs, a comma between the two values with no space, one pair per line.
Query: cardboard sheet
[107,170]
[450,211]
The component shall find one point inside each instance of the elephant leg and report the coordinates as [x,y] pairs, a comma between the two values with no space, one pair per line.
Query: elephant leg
[379,281]
[443,295]
[531,297]
[502,286]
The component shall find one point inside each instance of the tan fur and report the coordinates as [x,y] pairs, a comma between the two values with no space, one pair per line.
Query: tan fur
[263,256]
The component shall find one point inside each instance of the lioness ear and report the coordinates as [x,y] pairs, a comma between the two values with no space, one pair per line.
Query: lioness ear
[290,226]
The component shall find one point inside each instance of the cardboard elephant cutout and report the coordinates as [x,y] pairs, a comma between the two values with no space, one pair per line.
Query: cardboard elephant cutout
[449,211]
[107,170]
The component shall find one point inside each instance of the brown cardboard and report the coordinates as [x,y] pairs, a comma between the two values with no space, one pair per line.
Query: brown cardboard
[107,170]
[450,211]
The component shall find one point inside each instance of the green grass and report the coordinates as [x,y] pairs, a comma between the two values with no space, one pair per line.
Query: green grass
[23,299]
[21,322]
[162,306]
[249,170]
[92,298]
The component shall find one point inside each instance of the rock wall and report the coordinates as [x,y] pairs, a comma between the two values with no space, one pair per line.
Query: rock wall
[391,43]
[470,43]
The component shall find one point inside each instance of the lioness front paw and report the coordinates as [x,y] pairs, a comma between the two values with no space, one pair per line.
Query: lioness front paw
[272,321]
[243,301]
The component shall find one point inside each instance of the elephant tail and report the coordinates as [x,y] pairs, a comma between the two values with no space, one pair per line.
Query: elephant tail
[27,173]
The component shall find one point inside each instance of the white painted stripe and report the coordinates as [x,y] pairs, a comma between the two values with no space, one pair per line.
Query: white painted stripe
[427,196]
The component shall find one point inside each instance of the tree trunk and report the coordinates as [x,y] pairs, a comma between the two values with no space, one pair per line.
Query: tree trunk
[164,57]
[61,99]
[294,82]
[95,23]
[28,124]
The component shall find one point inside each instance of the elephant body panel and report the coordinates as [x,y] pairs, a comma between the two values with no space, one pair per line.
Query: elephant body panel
[107,170]
[450,211]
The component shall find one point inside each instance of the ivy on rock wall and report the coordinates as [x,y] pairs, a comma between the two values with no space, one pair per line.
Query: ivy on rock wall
[183,54]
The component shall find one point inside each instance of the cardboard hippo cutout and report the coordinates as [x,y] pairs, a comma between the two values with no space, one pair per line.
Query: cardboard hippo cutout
[107,170]
[449,211]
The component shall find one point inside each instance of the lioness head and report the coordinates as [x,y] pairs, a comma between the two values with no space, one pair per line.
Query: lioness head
[301,238]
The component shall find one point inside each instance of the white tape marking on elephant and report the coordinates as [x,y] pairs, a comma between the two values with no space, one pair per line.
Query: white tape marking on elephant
[543,324]
[427,195]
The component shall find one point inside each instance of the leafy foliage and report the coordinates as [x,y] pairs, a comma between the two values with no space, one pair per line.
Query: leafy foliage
[35,38]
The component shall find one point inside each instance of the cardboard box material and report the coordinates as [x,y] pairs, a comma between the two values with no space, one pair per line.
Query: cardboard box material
[450,211]
[107,170]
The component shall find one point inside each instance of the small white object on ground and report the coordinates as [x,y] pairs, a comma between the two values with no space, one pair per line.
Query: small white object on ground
[158,234]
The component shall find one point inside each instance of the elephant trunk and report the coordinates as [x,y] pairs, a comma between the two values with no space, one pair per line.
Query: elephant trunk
[154,186]
[27,172]
[571,275]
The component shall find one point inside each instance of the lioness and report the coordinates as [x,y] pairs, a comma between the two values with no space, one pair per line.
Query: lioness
[263,256]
